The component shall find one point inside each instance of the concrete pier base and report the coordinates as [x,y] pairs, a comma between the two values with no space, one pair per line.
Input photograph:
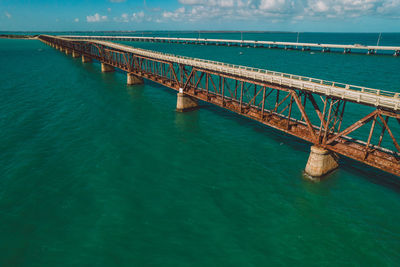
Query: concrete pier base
[320,162]
[75,54]
[132,79]
[86,59]
[106,68]
[185,102]
[68,52]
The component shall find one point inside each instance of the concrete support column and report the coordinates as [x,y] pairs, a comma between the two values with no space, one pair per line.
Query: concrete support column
[86,59]
[185,102]
[106,68]
[75,54]
[67,51]
[132,79]
[320,162]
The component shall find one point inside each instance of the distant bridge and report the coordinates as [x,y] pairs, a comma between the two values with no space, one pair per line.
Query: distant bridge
[358,48]
[308,108]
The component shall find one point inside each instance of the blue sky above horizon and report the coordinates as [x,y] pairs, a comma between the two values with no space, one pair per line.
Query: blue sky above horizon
[261,15]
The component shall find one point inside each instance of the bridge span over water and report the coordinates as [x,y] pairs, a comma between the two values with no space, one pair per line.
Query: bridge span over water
[311,109]
[345,48]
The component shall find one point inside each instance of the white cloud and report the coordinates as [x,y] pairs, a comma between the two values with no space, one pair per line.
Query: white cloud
[138,17]
[96,18]
[320,6]
[272,4]
[287,10]
[264,11]
[125,17]
[8,15]
[76,20]
[192,2]
[391,7]
[226,3]
[116,1]
[174,15]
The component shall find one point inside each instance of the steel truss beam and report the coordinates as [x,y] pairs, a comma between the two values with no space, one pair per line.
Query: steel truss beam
[278,106]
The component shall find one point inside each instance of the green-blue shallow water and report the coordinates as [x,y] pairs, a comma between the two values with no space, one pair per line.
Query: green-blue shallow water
[95,173]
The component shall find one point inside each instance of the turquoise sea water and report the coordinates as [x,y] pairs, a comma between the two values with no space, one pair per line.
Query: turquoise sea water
[95,173]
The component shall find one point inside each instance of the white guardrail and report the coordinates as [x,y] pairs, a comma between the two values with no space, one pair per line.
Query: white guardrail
[365,95]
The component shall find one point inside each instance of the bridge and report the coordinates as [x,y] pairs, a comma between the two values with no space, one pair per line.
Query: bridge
[307,108]
[345,48]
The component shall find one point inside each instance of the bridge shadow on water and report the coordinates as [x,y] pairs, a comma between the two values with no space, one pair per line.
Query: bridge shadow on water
[351,166]
[370,174]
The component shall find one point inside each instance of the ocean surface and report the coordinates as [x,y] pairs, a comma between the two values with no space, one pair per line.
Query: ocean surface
[96,173]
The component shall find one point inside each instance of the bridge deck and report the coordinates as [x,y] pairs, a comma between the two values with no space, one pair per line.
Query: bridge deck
[254,43]
[359,94]
[267,97]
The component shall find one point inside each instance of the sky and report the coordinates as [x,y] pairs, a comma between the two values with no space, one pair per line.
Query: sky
[197,15]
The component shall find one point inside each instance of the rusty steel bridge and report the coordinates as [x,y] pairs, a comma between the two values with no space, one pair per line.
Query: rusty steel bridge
[311,109]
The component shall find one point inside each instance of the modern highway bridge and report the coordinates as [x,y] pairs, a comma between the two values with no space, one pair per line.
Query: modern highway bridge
[311,109]
[348,48]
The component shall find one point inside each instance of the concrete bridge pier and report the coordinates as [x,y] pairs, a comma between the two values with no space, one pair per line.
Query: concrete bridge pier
[106,68]
[75,54]
[86,59]
[396,53]
[67,51]
[185,102]
[132,79]
[320,162]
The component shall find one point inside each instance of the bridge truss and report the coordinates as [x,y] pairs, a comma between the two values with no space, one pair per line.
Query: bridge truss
[318,118]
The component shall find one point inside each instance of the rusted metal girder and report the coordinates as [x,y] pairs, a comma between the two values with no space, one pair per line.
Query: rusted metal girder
[280,107]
